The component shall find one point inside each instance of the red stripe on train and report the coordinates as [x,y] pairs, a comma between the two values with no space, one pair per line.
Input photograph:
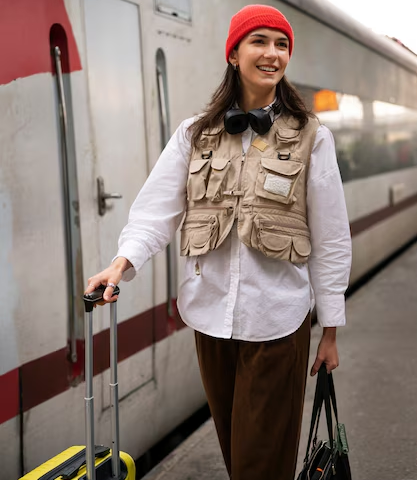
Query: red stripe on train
[48,376]
[9,395]
[24,38]
[364,223]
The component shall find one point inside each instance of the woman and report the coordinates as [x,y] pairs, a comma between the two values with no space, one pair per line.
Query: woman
[257,179]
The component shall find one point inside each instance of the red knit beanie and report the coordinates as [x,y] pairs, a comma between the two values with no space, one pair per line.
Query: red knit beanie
[252,17]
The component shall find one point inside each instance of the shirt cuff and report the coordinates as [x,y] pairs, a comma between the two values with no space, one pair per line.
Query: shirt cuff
[137,256]
[331,310]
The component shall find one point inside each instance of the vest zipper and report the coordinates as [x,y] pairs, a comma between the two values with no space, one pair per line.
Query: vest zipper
[227,210]
[266,205]
[197,222]
[206,208]
[239,181]
[286,225]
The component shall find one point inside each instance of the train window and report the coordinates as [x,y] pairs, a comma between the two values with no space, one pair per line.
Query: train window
[175,8]
[371,137]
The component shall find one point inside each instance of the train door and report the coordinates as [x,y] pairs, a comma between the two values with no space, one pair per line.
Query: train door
[115,83]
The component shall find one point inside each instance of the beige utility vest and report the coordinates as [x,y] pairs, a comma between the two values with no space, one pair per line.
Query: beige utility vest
[265,190]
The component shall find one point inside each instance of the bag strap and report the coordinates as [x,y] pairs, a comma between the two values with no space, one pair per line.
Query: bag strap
[325,393]
[317,428]
[333,396]
[327,402]
[315,416]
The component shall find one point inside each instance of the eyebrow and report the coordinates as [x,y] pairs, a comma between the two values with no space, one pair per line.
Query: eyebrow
[266,36]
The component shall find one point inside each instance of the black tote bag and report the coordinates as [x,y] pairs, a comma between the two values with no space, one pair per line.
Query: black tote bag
[326,460]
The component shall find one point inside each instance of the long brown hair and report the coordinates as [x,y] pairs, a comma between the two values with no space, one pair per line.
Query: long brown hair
[228,94]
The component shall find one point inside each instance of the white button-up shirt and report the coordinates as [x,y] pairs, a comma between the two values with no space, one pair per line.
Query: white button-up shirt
[235,291]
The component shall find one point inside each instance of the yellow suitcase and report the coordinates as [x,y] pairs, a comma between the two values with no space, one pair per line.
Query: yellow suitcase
[92,462]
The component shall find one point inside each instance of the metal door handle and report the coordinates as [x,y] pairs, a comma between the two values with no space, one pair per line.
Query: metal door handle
[106,196]
[103,196]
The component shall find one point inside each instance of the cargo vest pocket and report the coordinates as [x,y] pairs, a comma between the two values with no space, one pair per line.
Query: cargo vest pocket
[301,249]
[288,137]
[219,169]
[277,179]
[199,235]
[274,244]
[196,184]
[283,242]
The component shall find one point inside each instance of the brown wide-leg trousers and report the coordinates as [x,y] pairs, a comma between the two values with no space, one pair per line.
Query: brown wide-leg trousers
[255,392]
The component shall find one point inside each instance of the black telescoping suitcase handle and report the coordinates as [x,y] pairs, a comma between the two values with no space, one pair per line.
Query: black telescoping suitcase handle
[89,301]
[92,298]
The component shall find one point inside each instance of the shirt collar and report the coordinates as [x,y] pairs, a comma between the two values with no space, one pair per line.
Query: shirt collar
[270,105]
[265,108]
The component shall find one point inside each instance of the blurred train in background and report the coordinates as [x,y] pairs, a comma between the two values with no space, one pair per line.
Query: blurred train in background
[90,92]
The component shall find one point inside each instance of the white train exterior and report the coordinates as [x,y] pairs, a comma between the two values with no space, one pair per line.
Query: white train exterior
[135,69]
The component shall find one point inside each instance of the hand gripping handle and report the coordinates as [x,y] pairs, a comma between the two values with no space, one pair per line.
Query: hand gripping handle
[90,300]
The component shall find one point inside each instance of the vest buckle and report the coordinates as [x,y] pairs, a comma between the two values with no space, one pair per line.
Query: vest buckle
[284,156]
[207,154]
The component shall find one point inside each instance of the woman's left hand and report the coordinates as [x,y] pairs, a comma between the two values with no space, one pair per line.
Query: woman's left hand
[326,352]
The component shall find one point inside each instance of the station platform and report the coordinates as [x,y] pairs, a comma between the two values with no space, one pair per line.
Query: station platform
[376,387]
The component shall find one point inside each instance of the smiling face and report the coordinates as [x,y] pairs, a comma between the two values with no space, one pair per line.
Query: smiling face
[262,56]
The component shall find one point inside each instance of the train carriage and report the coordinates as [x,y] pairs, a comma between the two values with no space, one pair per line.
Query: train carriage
[90,91]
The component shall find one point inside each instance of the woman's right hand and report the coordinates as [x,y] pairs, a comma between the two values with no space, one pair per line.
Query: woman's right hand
[110,277]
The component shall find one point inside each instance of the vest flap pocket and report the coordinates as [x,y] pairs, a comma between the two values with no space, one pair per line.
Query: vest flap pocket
[219,169]
[197,179]
[200,236]
[302,246]
[277,179]
[210,138]
[283,167]
[287,133]
[197,165]
[219,163]
[275,242]
[301,249]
